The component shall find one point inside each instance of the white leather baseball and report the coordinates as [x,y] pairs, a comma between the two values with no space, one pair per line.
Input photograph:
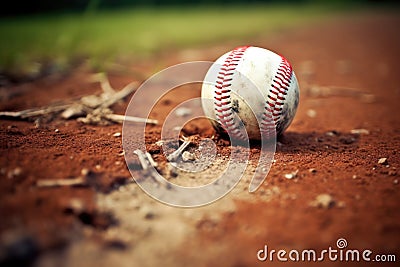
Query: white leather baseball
[256,84]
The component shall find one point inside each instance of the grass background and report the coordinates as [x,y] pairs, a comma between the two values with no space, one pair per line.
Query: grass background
[29,43]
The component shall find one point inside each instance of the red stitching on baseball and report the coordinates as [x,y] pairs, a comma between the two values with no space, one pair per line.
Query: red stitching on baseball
[280,80]
[219,108]
[222,99]
[222,91]
[221,104]
[278,90]
[276,97]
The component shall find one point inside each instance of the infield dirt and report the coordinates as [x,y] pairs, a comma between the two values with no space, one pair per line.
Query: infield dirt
[346,122]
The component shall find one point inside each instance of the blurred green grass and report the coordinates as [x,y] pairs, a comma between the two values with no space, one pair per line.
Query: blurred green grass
[110,35]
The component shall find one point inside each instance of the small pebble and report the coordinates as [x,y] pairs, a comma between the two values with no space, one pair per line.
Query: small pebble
[354,176]
[331,133]
[341,204]
[182,111]
[311,113]
[323,201]
[383,161]
[359,131]
[14,173]
[85,172]
[76,205]
[312,170]
[159,143]
[118,134]
[291,175]
[57,130]
[395,181]
[187,156]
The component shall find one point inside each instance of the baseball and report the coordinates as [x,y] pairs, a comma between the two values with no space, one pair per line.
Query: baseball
[258,86]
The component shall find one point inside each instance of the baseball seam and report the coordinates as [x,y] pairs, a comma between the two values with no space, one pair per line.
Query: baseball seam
[276,98]
[222,98]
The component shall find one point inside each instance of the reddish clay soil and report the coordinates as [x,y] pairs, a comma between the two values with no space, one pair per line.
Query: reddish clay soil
[348,73]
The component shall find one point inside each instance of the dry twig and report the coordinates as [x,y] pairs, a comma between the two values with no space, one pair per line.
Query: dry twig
[91,109]
[175,155]
[62,182]
[148,166]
